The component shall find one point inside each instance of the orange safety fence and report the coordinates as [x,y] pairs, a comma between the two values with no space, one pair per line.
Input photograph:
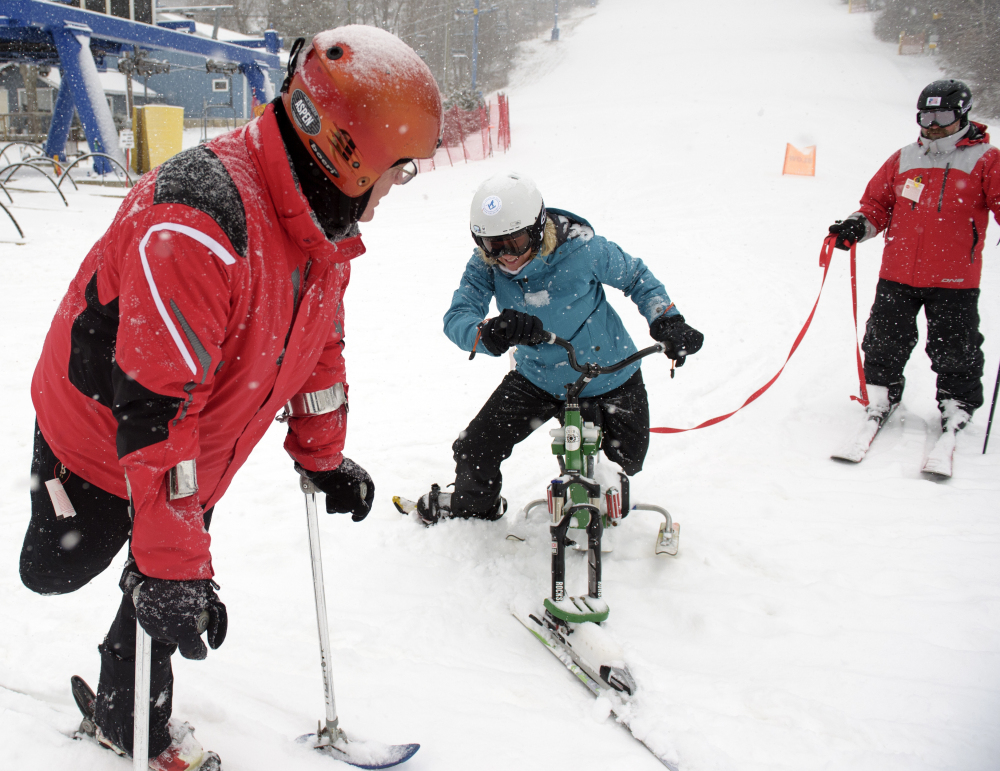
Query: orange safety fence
[471,135]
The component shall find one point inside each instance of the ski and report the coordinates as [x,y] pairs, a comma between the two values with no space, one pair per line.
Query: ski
[856,448]
[620,703]
[940,461]
[359,753]
[86,700]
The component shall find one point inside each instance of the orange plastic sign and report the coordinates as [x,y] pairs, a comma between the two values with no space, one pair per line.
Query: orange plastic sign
[801,162]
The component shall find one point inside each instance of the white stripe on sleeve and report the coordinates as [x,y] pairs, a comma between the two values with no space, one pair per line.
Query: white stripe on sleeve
[209,243]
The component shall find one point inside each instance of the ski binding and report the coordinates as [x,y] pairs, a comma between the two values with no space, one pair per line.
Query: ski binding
[596,660]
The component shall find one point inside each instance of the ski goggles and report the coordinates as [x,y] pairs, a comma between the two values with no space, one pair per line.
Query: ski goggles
[513,243]
[928,118]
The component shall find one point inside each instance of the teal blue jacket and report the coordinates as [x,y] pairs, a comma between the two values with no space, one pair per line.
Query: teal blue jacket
[566,291]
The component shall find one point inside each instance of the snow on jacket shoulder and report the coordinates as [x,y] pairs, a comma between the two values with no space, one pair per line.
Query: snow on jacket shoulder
[212,299]
[933,200]
[565,289]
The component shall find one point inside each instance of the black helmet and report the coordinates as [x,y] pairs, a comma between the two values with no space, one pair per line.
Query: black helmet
[947,95]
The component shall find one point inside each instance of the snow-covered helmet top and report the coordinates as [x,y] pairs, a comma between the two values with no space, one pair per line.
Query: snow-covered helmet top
[942,97]
[507,213]
[361,100]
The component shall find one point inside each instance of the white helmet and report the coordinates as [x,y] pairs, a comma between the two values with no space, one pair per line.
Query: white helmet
[507,211]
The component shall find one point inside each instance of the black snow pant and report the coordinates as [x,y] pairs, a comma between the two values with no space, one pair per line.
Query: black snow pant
[515,409]
[62,555]
[954,343]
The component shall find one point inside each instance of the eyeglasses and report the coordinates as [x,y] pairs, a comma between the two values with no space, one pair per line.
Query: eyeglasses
[513,243]
[405,172]
[928,118]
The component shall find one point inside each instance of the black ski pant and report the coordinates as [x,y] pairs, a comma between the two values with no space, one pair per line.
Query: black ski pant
[954,343]
[62,555]
[515,409]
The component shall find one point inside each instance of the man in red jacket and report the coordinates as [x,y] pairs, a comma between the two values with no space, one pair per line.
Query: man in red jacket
[933,200]
[214,300]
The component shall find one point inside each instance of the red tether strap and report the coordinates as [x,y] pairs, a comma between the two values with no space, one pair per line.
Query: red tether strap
[824,262]
[854,299]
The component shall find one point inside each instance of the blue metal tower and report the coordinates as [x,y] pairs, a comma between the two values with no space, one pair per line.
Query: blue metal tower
[50,33]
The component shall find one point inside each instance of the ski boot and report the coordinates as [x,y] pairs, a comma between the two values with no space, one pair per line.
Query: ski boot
[954,417]
[185,753]
[881,405]
[436,505]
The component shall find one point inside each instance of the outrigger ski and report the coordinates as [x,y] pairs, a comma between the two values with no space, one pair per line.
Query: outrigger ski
[360,754]
[553,634]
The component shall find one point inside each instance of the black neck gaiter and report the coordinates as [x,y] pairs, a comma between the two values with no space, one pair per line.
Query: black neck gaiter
[336,213]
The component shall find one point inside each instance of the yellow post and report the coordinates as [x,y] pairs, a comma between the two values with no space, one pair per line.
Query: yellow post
[159,130]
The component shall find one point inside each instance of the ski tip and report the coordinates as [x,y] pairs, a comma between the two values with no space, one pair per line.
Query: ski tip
[404,506]
[936,473]
[84,696]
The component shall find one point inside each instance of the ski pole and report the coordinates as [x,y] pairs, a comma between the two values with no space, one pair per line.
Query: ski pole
[332,733]
[140,714]
[993,406]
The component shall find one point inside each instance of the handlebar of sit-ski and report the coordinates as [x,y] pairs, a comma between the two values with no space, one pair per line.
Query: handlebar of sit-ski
[571,354]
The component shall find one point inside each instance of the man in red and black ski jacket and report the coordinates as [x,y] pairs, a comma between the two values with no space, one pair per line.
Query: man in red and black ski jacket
[213,301]
[932,199]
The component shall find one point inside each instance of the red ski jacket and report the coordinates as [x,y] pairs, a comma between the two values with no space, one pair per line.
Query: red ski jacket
[933,199]
[212,299]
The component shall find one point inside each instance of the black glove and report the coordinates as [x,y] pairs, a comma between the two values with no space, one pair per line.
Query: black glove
[179,611]
[512,328]
[849,232]
[680,339]
[348,488]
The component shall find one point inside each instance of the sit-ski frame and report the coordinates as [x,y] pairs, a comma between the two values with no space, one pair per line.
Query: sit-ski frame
[573,499]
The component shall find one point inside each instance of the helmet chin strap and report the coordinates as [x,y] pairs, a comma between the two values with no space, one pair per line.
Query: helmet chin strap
[336,212]
[292,63]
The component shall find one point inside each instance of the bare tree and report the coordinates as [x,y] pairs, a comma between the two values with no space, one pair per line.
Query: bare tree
[967,36]
[433,28]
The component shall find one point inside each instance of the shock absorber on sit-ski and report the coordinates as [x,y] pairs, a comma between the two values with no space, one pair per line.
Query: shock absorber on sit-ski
[558,529]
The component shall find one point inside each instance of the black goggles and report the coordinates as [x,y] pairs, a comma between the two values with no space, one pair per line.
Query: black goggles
[928,118]
[513,243]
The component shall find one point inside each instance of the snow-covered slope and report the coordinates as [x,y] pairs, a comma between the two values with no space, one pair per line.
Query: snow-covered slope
[818,615]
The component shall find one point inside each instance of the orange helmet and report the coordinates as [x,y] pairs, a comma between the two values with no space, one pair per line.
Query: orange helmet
[361,100]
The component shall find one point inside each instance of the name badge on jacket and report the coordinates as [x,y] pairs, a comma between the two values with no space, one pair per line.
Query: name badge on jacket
[912,189]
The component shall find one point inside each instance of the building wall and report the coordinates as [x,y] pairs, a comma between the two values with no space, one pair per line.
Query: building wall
[188,85]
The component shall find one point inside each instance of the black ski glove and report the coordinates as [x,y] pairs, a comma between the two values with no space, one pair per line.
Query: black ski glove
[178,612]
[849,232]
[512,328]
[680,339]
[348,488]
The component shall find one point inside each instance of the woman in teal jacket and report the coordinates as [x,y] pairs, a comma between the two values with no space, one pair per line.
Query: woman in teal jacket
[547,269]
